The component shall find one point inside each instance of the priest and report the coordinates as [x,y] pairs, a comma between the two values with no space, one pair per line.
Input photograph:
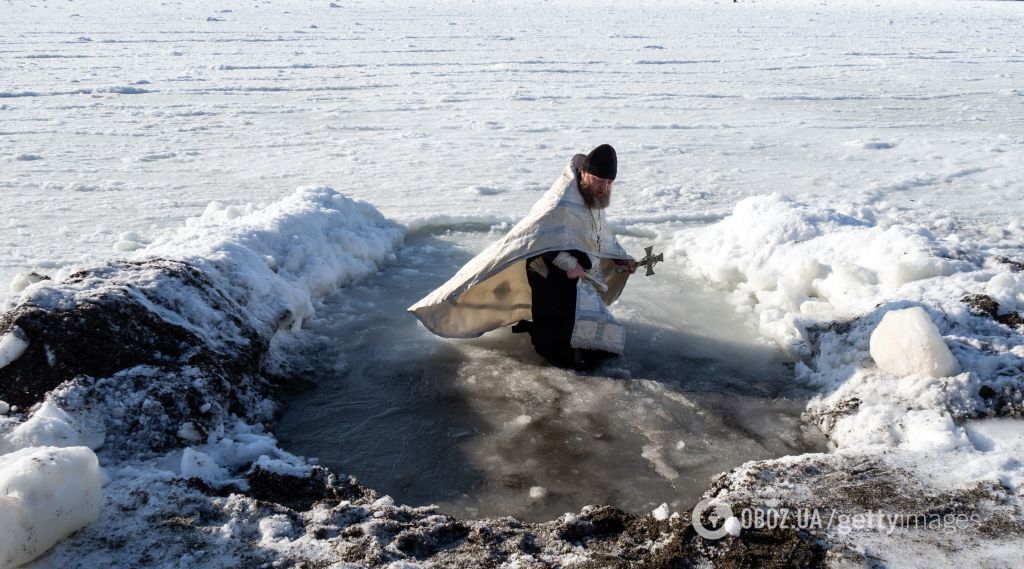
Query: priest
[553,275]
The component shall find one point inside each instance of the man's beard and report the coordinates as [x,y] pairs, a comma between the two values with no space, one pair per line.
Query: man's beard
[592,201]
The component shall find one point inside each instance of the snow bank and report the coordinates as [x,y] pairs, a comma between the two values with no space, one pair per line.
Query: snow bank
[167,348]
[905,333]
[278,257]
[793,264]
[219,288]
[146,356]
[46,494]
[272,259]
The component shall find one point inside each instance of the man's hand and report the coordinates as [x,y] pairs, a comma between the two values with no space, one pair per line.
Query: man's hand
[629,264]
[576,272]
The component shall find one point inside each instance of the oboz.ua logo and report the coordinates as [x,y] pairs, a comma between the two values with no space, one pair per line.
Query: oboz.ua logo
[716,514]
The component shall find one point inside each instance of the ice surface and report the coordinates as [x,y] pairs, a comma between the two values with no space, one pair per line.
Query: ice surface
[998,435]
[157,111]
[46,494]
[907,342]
[476,426]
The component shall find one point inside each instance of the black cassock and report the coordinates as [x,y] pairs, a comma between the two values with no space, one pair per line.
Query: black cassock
[554,314]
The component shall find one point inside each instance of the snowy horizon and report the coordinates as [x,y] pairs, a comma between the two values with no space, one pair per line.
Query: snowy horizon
[112,135]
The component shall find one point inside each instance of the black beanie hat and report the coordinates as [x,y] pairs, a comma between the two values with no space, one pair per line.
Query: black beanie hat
[602,162]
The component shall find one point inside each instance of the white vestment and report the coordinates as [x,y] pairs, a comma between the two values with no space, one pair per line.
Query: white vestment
[492,291]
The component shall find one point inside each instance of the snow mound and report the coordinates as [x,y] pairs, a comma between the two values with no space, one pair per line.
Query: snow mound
[282,255]
[46,494]
[906,342]
[793,264]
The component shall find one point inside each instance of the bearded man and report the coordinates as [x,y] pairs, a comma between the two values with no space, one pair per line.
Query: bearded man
[553,274]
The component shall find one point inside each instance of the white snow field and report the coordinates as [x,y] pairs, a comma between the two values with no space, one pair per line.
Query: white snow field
[837,186]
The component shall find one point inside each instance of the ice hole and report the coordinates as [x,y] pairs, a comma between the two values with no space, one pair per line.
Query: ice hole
[476,426]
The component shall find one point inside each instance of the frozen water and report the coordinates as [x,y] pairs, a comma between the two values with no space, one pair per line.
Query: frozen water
[46,494]
[49,426]
[907,342]
[484,427]
[12,345]
[142,115]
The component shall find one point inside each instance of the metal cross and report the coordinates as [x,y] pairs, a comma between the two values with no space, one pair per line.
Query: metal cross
[650,259]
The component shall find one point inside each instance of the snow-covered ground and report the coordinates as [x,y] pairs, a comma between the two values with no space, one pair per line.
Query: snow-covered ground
[818,166]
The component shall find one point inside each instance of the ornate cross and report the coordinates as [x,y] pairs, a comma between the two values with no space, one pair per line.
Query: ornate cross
[650,259]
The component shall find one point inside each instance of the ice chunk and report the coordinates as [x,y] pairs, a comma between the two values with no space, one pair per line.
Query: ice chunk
[283,467]
[275,528]
[195,464]
[383,502]
[129,241]
[12,345]
[906,342]
[46,494]
[519,422]
[50,426]
[188,432]
[538,492]
[21,281]
[661,513]
[732,525]
[931,429]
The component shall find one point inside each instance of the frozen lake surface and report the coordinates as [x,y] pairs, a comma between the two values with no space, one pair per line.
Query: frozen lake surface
[486,428]
[118,120]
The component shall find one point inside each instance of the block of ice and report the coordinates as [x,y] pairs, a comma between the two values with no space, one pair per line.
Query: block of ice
[12,345]
[906,342]
[733,526]
[46,494]
[50,426]
[196,464]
